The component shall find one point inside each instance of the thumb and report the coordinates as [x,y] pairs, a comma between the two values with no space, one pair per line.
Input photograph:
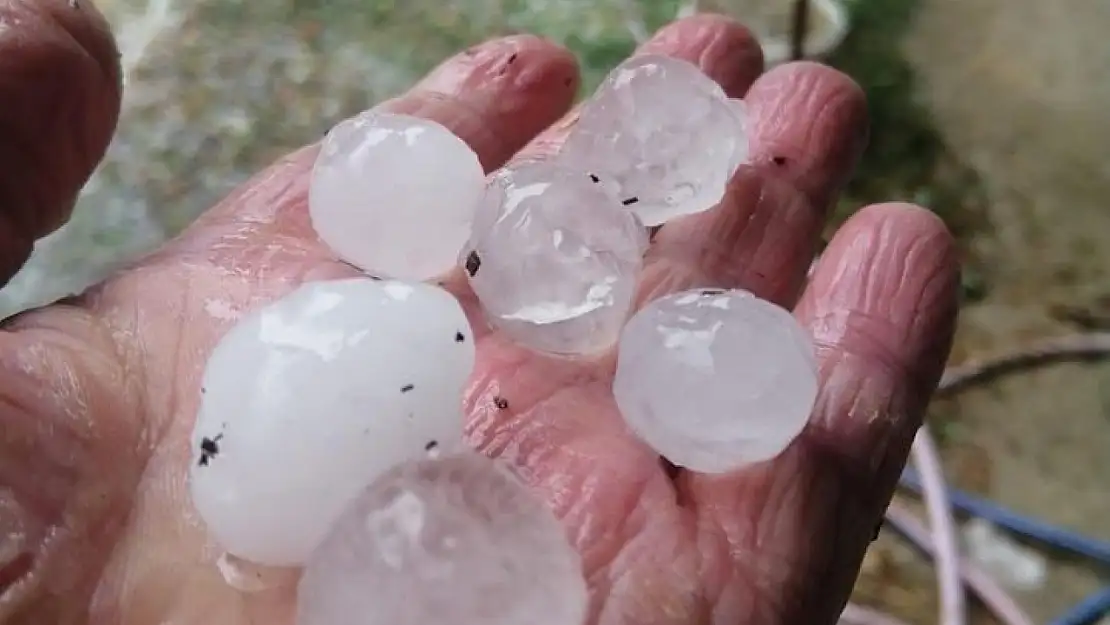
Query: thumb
[60,87]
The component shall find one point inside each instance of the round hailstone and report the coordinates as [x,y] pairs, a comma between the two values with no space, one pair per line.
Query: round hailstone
[454,540]
[715,380]
[660,133]
[395,195]
[553,258]
[306,401]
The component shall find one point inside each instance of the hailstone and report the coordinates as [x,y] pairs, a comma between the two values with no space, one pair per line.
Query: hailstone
[715,380]
[395,195]
[307,400]
[553,258]
[455,540]
[662,135]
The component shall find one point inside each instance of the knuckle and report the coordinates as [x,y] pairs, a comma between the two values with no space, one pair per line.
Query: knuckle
[60,84]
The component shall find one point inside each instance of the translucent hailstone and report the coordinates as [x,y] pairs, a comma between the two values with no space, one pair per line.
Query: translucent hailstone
[553,258]
[455,540]
[715,380]
[660,132]
[394,195]
[306,401]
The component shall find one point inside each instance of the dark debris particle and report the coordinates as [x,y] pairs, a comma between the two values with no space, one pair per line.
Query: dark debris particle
[209,448]
[460,337]
[203,390]
[431,445]
[711,292]
[473,263]
[406,388]
[630,201]
[594,178]
[512,58]
[778,160]
[501,403]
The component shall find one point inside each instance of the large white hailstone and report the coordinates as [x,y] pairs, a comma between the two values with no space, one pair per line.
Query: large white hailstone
[660,132]
[454,540]
[554,258]
[307,400]
[715,380]
[395,195]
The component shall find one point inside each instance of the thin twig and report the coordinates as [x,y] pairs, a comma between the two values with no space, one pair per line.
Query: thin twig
[1083,346]
[799,29]
[1092,316]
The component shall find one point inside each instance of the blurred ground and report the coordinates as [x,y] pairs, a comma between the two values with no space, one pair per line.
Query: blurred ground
[992,112]
[1017,89]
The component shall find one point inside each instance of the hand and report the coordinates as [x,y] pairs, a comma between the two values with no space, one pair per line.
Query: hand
[98,393]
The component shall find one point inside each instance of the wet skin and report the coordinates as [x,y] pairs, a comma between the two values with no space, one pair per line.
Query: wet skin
[98,393]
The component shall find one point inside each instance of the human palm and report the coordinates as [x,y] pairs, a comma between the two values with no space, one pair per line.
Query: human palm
[99,392]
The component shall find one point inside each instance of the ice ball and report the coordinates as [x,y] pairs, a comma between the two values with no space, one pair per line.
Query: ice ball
[455,540]
[715,380]
[308,399]
[395,195]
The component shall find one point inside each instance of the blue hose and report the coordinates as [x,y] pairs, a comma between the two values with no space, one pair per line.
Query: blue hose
[1019,524]
[1087,611]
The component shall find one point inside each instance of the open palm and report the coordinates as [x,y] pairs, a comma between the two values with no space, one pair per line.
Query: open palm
[98,393]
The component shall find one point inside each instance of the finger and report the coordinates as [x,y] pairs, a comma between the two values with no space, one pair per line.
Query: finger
[881,309]
[725,51]
[60,88]
[496,96]
[808,127]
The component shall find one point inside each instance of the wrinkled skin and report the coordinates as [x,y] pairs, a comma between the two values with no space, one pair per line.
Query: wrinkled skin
[98,393]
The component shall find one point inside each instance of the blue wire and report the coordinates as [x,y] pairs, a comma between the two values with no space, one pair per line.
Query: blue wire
[1038,530]
[1088,611]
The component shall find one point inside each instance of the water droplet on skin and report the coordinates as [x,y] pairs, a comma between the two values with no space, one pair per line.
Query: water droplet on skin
[248,577]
